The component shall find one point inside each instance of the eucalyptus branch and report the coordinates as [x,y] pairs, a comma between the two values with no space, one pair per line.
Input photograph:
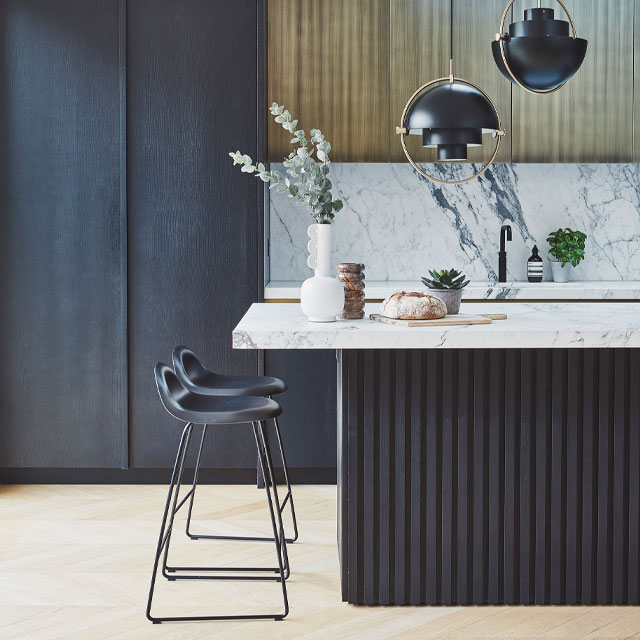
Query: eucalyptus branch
[308,177]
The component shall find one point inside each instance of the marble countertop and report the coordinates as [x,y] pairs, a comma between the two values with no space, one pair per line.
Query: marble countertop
[529,325]
[476,290]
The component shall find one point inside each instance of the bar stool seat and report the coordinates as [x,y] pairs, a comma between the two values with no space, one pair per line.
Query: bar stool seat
[195,377]
[206,409]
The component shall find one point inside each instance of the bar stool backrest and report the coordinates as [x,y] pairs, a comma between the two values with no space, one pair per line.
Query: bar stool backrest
[187,365]
[170,388]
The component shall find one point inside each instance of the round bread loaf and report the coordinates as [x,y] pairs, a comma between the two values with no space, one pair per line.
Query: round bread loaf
[413,306]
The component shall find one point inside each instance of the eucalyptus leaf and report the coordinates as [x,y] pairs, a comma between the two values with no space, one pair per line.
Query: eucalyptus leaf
[309,184]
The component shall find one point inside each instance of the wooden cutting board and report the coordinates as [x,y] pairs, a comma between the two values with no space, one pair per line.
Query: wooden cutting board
[459,319]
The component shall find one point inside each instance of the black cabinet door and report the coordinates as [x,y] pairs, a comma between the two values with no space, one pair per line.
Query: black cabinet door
[195,222]
[61,275]
[308,422]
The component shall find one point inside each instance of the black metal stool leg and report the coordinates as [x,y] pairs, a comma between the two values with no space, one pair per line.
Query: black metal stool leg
[178,573]
[264,438]
[278,531]
[196,472]
[270,485]
[165,536]
[289,494]
[196,536]
[162,537]
[174,508]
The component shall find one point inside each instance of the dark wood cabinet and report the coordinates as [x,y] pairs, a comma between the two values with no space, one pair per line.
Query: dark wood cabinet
[195,222]
[352,76]
[591,118]
[125,229]
[328,63]
[308,422]
[62,280]
[420,44]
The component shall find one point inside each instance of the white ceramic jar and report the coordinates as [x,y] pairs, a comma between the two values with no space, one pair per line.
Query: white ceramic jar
[322,296]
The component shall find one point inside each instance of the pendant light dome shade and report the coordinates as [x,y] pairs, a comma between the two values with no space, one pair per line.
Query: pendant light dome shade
[452,117]
[539,54]
[450,114]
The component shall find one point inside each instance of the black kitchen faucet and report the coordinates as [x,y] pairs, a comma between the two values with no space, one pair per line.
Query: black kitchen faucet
[502,256]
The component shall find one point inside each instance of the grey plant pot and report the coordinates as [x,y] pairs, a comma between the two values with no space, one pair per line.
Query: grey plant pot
[560,273]
[451,298]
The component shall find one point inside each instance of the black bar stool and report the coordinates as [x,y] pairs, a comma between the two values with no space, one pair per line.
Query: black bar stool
[191,409]
[196,378]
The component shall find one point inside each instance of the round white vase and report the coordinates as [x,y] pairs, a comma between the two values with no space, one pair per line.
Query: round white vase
[321,297]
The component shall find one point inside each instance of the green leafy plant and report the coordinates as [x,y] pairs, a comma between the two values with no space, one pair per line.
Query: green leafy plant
[308,180]
[567,246]
[445,279]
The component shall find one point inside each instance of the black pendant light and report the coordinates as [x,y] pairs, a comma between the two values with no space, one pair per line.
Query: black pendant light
[538,54]
[451,114]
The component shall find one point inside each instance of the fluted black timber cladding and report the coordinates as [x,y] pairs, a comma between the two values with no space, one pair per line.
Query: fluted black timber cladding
[489,476]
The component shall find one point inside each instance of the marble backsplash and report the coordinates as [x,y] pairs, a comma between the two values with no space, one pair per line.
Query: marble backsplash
[400,224]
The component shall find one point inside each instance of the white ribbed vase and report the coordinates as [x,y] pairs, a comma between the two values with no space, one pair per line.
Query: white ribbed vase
[321,297]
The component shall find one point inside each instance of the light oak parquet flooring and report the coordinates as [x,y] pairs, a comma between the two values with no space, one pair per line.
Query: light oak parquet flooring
[75,564]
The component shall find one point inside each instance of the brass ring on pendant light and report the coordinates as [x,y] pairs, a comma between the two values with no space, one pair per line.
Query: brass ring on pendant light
[500,38]
[403,131]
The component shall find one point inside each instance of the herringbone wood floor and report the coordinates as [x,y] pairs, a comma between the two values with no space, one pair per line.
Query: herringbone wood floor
[75,564]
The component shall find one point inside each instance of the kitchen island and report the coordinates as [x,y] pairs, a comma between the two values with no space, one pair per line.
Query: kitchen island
[483,464]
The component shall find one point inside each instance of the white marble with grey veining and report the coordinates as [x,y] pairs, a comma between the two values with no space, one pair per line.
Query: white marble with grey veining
[592,290]
[528,325]
[400,224]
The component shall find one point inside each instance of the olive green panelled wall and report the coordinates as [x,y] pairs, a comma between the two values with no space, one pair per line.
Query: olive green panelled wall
[328,62]
[475,24]
[419,53]
[348,67]
[636,83]
[591,118]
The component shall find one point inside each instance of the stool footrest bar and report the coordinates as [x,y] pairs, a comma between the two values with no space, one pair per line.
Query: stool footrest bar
[228,569]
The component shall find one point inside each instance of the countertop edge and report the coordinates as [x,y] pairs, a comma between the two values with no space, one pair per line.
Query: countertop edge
[627,291]
[529,325]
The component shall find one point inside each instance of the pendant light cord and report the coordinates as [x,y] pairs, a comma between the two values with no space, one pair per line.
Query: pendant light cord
[451,30]
[451,41]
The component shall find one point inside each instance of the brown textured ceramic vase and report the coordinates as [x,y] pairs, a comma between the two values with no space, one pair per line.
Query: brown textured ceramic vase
[351,274]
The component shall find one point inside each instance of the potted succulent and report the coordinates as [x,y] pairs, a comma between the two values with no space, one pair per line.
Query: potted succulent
[566,247]
[447,285]
[307,180]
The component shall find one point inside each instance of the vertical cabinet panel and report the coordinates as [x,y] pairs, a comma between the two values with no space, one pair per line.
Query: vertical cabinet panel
[547,461]
[308,421]
[636,83]
[474,23]
[419,52]
[62,336]
[194,220]
[328,62]
[591,118]
[350,67]
[420,43]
